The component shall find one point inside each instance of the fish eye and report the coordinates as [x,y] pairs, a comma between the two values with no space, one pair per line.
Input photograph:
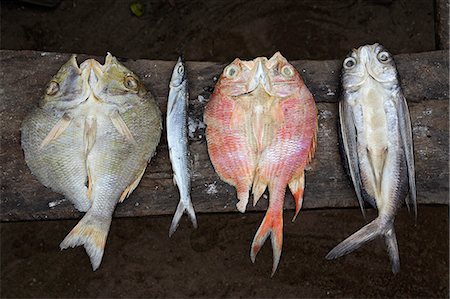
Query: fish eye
[180,69]
[384,57]
[52,88]
[349,62]
[130,82]
[287,71]
[231,71]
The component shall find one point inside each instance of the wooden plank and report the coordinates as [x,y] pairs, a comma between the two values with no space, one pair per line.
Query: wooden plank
[442,23]
[25,74]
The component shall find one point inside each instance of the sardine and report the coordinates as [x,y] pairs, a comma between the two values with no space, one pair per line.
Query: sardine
[377,140]
[177,139]
[90,139]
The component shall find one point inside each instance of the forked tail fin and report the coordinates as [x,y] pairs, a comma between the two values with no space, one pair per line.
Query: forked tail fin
[179,212]
[368,233]
[91,232]
[272,224]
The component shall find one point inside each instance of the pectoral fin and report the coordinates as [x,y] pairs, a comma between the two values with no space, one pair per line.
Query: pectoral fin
[238,116]
[122,127]
[407,142]
[57,130]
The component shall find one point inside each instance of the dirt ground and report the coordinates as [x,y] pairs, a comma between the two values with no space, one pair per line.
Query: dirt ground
[220,30]
[213,261]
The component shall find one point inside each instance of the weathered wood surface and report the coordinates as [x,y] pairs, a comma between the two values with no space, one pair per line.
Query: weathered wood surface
[25,74]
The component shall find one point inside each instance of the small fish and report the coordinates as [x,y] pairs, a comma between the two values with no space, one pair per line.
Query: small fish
[90,139]
[377,141]
[261,133]
[177,140]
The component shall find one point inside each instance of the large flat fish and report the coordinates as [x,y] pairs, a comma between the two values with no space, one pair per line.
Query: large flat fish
[90,139]
[261,133]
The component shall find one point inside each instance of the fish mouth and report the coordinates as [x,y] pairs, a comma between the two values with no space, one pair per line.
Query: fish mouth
[259,77]
[363,77]
[177,80]
[92,71]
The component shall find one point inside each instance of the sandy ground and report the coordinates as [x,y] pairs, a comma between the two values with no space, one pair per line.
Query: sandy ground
[213,261]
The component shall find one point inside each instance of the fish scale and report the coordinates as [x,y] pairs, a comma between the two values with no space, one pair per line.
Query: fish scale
[57,167]
[377,141]
[177,140]
[261,132]
[90,139]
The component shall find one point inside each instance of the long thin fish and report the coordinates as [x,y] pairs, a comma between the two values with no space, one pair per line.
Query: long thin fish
[377,140]
[177,140]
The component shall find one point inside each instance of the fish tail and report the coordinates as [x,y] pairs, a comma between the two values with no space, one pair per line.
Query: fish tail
[364,235]
[272,224]
[91,232]
[392,248]
[179,212]
[368,233]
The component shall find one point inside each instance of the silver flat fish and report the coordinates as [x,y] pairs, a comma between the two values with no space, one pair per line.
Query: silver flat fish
[90,139]
[377,140]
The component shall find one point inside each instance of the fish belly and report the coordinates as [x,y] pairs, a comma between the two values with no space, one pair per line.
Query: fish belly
[60,165]
[378,145]
[229,145]
[114,161]
[115,166]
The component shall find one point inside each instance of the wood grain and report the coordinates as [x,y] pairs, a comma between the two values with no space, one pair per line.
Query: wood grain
[26,73]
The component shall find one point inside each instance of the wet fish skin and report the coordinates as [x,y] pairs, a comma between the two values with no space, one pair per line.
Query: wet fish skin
[377,139]
[177,140]
[261,133]
[115,130]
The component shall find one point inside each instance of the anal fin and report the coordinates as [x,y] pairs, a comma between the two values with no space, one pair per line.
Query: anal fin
[57,130]
[313,147]
[133,185]
[297,186]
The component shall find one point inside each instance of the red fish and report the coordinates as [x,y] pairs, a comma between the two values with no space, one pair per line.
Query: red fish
[261,133]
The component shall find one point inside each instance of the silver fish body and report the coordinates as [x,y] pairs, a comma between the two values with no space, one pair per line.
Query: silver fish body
[376,135]
[91,139]
[177,139]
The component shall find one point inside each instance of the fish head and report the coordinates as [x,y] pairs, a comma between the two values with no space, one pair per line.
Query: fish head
[113,83]
[275,75]
[239,76]
[284,78]
[67,88]
[179,74]
[368,62]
